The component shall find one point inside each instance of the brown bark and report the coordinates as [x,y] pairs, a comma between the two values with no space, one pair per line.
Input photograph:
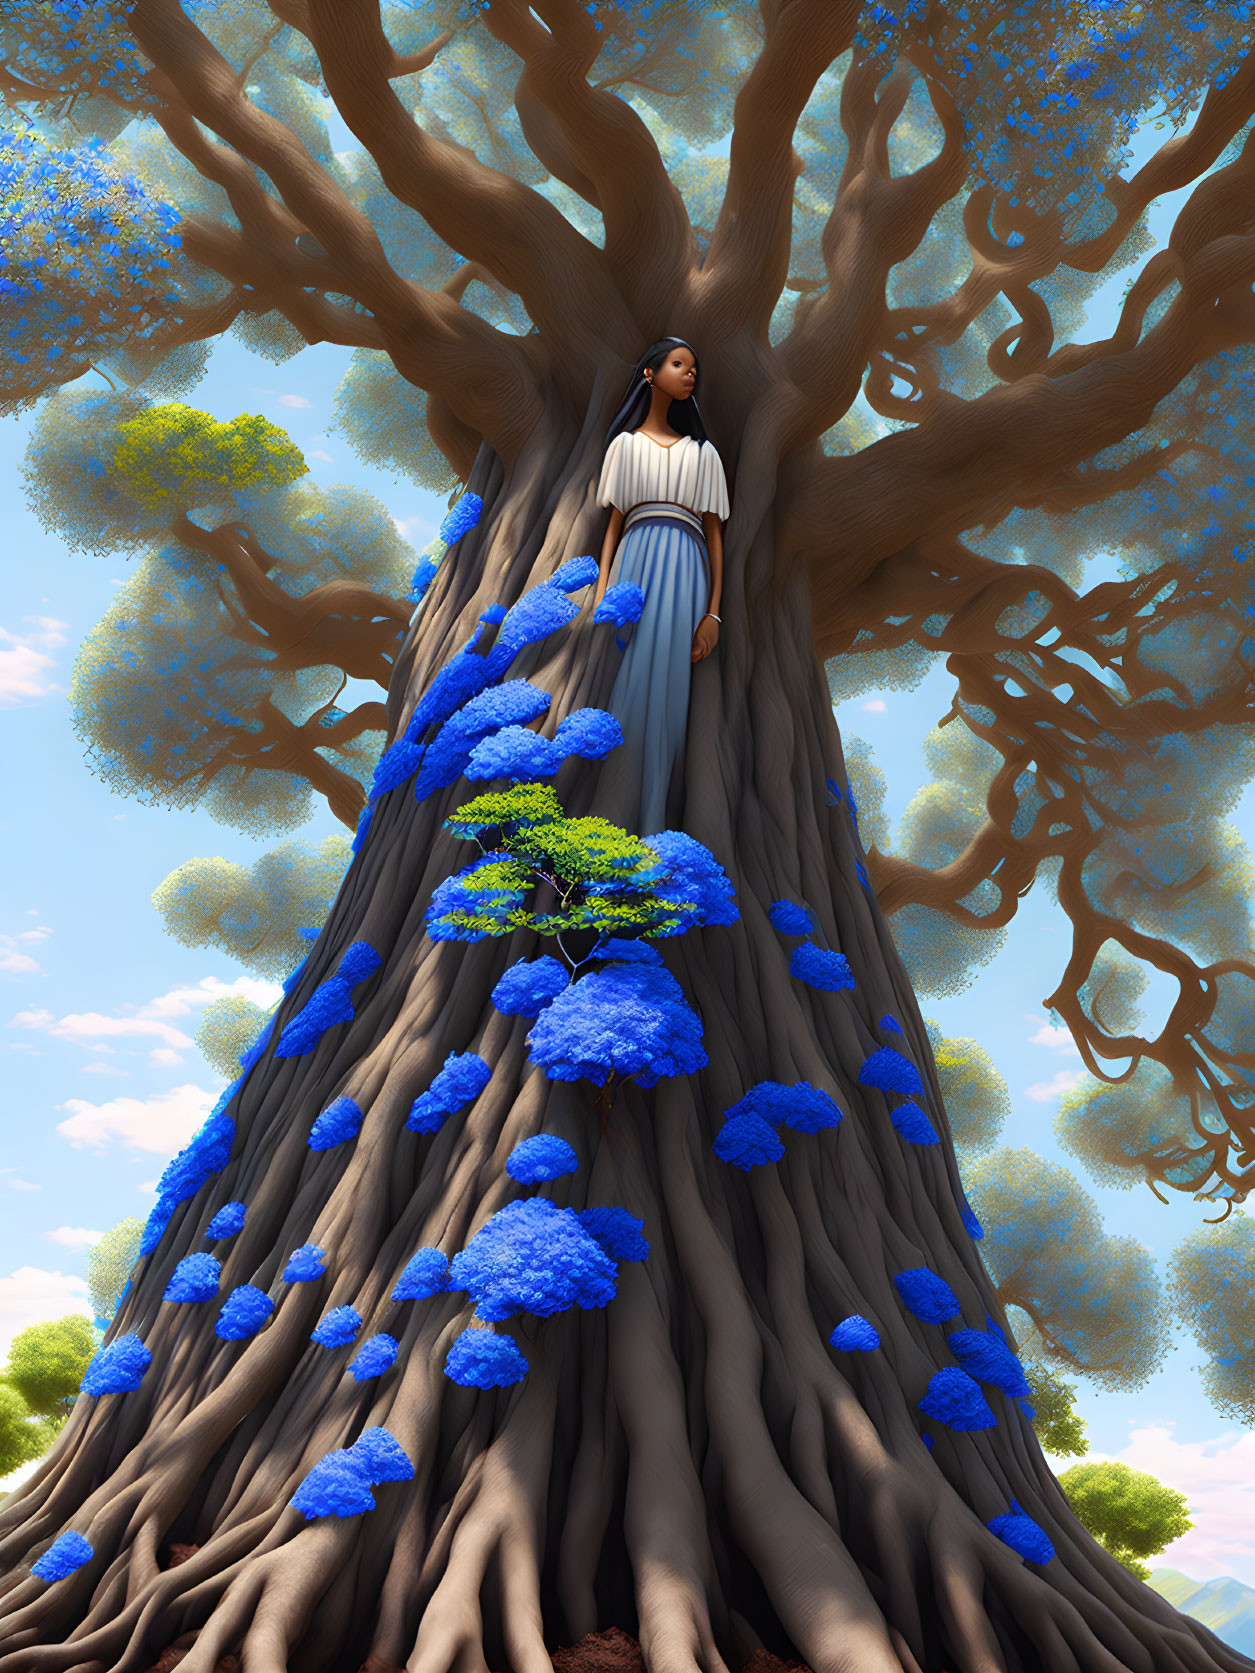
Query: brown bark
[692,1464]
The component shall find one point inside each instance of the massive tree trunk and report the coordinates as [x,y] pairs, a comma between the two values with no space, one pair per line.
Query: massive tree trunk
[693,1463]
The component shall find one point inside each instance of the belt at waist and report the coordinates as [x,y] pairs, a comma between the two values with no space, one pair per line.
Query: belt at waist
[664,508]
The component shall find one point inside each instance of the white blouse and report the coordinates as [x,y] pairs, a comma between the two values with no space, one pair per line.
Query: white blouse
[687,473]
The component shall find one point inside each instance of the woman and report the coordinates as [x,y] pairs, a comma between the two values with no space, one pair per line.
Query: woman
[668,496]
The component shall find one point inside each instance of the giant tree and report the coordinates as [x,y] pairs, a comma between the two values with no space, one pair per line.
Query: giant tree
[756,1433]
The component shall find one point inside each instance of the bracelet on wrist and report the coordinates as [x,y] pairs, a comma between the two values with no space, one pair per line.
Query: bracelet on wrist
[710,614]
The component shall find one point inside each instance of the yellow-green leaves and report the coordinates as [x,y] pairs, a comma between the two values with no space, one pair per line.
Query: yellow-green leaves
[174,457]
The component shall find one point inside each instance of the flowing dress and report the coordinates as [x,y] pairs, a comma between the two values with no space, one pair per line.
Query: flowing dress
[662,489]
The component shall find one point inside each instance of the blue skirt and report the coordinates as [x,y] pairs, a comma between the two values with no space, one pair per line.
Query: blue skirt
[666,558]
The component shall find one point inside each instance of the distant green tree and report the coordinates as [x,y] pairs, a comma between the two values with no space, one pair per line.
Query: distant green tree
[47,1362]
[23,1436]
[109,1264]
[1128,1511]
[1058,1427]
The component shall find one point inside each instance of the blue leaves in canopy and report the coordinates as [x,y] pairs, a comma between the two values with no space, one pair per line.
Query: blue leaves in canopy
[461,894]
[620,604]
[227,1221]
[790,919]
[912,1124]
[243,1313]
[330,1003]
[888,1071]
[532,1257]
[1023,1535]
[855,1335]
[747,1141]
[528,986]
[461,518]
[955,1399]
[195,1278]
[574,575]
[482,1359]
[543,1157]
[926,1295]
[461,1080]
[337,1328]
[630,1020]
[821,968]
[65,1556]
[339,1122]
[619,1233]
[375,1356]
[447,756]
[118,1368]
[698,888]
[305,1264]
[989,1359]
[425,1274]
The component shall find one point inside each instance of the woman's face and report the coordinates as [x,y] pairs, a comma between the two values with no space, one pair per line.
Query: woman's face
[677,374]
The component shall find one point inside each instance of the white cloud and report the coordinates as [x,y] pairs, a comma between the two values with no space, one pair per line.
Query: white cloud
[877,706]
[104,1069]
[294,401]
[90,1029]
[74,1237]
[416,528]
[148,1187]
[1054,1037]
[317,453]
[31,1295]
[161,1057]
[1217,1478]
[161,1124]
[10,1178]
[1047,1091]
[24,662]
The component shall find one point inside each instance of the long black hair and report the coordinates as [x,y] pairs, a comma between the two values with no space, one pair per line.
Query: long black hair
[684,415]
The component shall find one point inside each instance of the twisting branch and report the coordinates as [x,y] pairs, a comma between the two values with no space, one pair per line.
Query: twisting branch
[595,135]
[747,263]
[483,373]
[877,221]
[561,278]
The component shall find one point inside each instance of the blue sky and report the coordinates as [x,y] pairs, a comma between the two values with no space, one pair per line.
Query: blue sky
[98,1005]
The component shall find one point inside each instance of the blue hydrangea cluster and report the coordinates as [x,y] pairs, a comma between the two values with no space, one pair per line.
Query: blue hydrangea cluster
[790,919]
[988,1358]
[541,611]
[528,986]
[888,1071]
[400,761]
[926,1295]
[447,756]
[195,1278]
[461,1080]
[955,1399]
[330,1003]
[629,1020]
[616,950]
[697,890]
[339,1122]
[425,1274]
[821,968]
[382,1457]
[855,1335]
[912,1124]
[207,1154]
[541,1158]
[117,1368]
[424,575]
[227,1221]
[337,1328]
[336,1486]
[574,575]
[461,518]
[892,1024]
[359,836]
[375,1356]
[517,753]
[533,1257]
[65,1556]
[621,604]
[748,1137]
[483,1359]
[243,1313]
[1023,1535]
[619,1233]
[305,1264]
[971,1224]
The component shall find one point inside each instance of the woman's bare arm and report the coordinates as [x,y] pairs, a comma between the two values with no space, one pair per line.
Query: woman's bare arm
[707,635]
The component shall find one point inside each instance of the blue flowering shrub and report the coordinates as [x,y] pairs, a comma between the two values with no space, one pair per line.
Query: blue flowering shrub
[533,1257]
[67,1554]
[117,1369]
[482,1359]
[749,1137]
